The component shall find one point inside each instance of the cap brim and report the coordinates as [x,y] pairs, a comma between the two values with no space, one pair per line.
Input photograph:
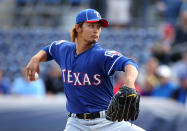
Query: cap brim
[104,23]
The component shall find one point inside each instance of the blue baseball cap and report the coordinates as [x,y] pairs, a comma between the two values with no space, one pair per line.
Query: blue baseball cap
[91,16]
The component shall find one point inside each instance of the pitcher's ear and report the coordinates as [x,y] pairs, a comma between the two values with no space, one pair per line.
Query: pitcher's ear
[78,27]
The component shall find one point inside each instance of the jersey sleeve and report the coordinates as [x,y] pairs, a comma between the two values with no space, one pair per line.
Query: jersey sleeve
[52,50]
[114,61]
[47,49]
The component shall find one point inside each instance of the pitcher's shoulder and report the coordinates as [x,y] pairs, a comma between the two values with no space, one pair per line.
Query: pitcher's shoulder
[63,44]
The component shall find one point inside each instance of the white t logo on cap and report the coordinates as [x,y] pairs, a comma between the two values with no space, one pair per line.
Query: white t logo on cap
[97,14]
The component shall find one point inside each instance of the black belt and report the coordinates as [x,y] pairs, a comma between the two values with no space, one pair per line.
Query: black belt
[87,116]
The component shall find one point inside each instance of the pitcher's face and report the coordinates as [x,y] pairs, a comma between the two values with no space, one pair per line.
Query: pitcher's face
[90,32]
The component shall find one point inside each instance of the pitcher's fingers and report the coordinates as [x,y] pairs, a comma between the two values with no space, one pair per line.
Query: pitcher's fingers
[28,78]
[30,75]
[33,73]
[29,72]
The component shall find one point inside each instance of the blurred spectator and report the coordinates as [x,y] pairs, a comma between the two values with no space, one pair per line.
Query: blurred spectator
[166,87]
[21,86]
[22,3]
[162,49]
[181,30]
[4,84]
[119,82]
[99,5]
[147,77]
[181,93]
[77,2]
[46,18]
[23,13]
[180,67]
[118,13]
[35,13]
[179,44]
[171,9]
[53,81]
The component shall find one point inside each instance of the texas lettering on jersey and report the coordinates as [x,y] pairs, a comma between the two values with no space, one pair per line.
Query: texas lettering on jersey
[74,78]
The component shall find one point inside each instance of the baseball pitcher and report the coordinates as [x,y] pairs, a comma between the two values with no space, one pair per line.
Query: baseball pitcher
[87,71]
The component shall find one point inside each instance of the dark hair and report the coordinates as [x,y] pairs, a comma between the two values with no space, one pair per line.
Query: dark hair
[74,33]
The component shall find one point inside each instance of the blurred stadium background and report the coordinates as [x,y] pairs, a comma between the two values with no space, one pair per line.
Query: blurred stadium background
[153,32]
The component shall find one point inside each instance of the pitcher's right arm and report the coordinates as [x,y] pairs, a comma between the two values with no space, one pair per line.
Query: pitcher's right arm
[33,65]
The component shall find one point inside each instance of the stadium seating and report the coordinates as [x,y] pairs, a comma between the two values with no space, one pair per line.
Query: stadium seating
[18,45]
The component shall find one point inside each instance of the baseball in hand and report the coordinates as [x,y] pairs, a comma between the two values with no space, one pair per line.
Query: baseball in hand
[36,76]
